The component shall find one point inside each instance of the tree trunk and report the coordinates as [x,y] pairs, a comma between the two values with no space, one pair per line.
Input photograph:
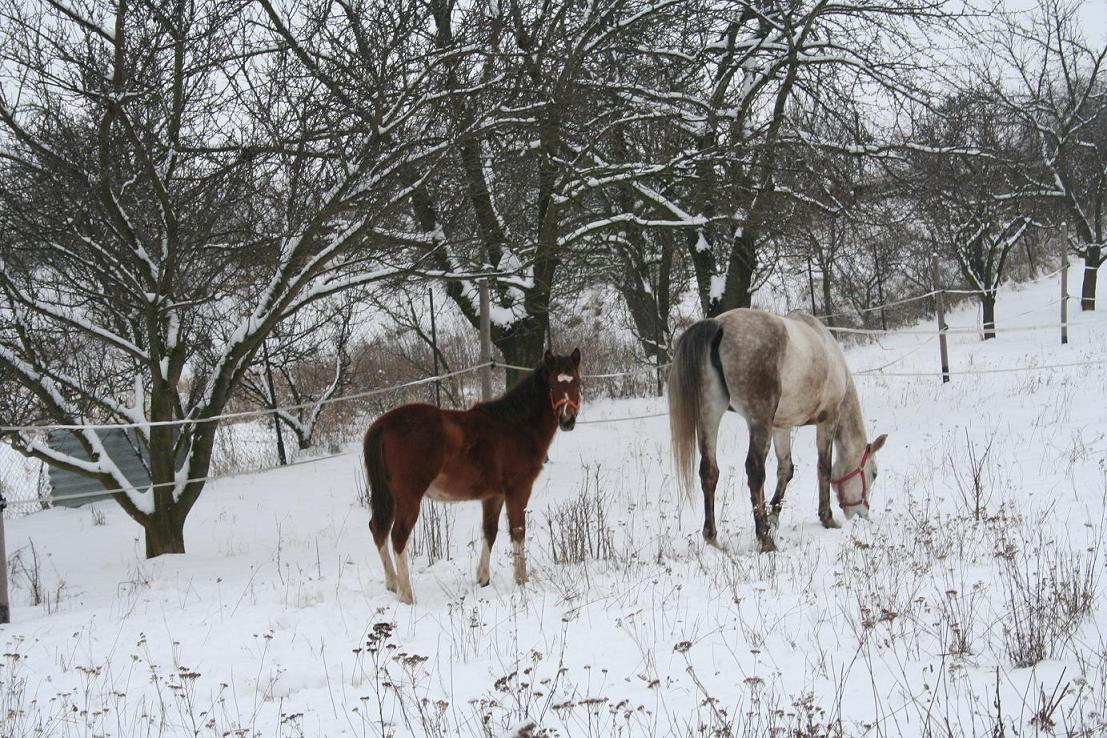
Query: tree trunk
[988,304]
[164,535]
[828,299]
[741,269]
[1091,274]
[522,346]
[282,457]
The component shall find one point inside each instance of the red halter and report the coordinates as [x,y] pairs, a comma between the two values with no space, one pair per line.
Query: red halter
[558,404]
[838,483]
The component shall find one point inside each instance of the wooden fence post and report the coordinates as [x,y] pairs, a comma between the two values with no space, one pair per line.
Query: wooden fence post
[880,289]
[485,343]
[434,350]
[940,302]
[5,608]
[1064,283]
[811,287]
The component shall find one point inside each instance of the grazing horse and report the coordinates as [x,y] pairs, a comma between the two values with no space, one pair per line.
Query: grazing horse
[777,372]
[492,452]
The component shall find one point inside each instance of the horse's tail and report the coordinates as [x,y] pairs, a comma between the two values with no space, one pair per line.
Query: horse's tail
[381,502]
[687,377]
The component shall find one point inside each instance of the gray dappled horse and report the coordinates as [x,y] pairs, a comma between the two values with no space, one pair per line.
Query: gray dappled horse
[777,372]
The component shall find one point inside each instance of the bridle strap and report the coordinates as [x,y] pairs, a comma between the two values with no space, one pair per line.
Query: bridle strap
[838,483]
[558,404]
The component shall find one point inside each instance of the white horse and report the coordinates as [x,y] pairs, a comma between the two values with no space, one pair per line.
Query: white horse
[778,372]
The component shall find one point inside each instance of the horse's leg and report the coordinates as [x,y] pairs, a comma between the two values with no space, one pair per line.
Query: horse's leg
[517,530]
[492,508]
[782,444]
[711,413]
[760,437]
[407,512]
[380,526]
[824,441]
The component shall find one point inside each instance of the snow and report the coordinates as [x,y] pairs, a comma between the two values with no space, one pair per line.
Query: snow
[502,316]
[718,287]
[701,242]
[277,621]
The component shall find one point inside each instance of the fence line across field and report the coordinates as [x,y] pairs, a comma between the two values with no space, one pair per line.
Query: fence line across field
[874,308]
[926,295]
[873,372]
[263,412]
[609,375]
[998,370]
[244,413]
[957,330]
[624,419]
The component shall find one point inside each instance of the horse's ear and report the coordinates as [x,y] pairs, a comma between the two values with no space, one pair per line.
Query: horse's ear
[548,358]
[575,356]
[879,442]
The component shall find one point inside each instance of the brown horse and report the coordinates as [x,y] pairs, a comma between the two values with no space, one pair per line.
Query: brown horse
[778,372]
[492,452]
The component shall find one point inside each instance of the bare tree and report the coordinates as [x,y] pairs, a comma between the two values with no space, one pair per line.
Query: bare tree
[1059,91]
[760,63]
[965,176]
[172,189]
[527,161]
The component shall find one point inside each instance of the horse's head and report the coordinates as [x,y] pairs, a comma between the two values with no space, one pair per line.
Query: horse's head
[563,377]
[855,488]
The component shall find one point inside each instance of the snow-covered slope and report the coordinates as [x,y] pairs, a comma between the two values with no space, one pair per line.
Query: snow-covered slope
[918,622]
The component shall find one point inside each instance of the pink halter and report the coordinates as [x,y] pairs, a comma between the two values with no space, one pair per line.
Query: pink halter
[838,483]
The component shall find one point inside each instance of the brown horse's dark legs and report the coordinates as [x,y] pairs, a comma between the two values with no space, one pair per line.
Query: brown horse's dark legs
[824,441]
[492,508]
[782,444]
[709,479]
[517,530]
[755,475]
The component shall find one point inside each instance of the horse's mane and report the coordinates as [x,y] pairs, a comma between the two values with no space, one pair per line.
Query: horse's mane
[523,399]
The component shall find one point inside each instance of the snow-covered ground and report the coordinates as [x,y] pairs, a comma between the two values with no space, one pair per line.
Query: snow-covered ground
[921,621]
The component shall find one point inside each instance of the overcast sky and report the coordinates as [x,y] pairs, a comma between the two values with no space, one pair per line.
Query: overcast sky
[1093,13]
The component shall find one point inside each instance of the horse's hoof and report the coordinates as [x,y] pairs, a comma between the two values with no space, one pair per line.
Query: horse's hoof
[830,523]
[390,586]
[767,545]
[483,582]
[406,598]
[714,543]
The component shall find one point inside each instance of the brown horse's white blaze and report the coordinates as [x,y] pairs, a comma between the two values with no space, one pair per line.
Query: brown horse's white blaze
[777,372]
[565,399]
[492,452]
